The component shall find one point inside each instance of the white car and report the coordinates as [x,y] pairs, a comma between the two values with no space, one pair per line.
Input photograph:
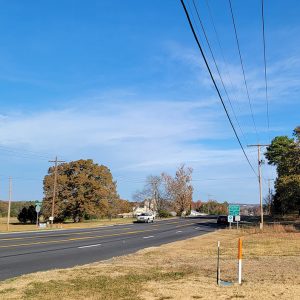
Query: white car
[145,217]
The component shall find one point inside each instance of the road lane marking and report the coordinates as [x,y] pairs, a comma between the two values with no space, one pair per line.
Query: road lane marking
[44,234]
[179,231]
[89,246]
[75,233]
[58,234]
[189,224]
[77,239]
[82,238]
[148,237]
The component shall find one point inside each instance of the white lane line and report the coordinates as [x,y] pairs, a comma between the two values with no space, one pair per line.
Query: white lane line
[178,231]
[95,245]
[148,237]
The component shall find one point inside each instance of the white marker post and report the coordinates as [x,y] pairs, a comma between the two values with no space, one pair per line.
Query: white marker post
[237,219]
[218,265]
[230,220]
[240,245]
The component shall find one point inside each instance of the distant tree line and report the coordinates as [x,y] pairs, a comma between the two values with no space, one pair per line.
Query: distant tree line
[211,207]
[16,207]
[284,154]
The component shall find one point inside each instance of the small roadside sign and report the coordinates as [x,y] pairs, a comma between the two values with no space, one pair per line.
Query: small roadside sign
[233,210]
[230,219]
[37,208]
[51,218]
[237,218]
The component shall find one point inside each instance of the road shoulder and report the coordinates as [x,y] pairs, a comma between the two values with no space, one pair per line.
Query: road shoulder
[179,270]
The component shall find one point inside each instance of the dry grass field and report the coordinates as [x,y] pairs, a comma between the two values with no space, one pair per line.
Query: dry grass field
[179,270]
[16,226]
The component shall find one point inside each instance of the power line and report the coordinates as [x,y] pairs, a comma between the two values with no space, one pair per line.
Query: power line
[214,82]
[265,64]
[23,153]
[223,56]
[219,73]
[242,65]
[224,59]
[224,178]
[129,180]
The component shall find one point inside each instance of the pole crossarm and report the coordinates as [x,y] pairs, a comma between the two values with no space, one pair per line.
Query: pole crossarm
[258,145]
[56,161]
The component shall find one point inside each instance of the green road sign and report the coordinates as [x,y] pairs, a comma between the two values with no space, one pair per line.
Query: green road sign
[234,210]
[38,205]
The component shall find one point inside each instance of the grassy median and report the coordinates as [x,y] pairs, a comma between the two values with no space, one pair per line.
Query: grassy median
[179,270]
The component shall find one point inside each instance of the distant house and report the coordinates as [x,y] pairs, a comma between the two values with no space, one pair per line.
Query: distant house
[147,206]
[195,213]
[126,215]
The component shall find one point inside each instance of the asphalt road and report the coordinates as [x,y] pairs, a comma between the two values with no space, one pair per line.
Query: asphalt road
[22,253]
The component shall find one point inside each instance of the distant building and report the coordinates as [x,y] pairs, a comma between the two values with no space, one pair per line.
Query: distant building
[147,206]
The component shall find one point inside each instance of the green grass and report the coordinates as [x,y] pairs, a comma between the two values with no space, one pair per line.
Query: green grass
[180,270]
[125,287]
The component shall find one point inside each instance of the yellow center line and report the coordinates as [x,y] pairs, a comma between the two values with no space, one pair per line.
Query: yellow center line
[58,234]
[77,239]
[87,237]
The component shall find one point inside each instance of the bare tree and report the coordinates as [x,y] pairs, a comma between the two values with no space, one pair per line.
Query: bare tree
[155,190]
[180,189]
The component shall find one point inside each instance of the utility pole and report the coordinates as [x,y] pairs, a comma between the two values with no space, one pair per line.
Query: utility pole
[54,186]
[9,202]
[261,225]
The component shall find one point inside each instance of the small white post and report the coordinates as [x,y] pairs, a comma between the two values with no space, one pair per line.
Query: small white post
[240,245]
[218,265]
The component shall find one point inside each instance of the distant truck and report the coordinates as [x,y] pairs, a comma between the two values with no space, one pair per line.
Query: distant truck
[222,220]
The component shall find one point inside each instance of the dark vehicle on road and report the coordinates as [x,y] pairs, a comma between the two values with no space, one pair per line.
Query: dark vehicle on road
[222,220]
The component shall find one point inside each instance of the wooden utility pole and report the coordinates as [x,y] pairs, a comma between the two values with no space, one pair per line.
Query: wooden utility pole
[9,202]
[261,225]
[54,186]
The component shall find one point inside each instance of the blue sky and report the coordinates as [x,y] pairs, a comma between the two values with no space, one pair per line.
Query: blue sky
[123,83]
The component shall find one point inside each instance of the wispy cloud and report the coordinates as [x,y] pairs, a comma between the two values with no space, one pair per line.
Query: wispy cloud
[135,132]
[111,122]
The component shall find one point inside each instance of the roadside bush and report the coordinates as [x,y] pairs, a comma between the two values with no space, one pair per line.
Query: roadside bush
[22,216]
[27,215]
[163,213]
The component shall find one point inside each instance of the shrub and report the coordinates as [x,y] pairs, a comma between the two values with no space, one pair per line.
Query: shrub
[27,214]
[163,213]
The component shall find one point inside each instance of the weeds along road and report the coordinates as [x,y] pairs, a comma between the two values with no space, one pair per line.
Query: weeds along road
[22,253]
